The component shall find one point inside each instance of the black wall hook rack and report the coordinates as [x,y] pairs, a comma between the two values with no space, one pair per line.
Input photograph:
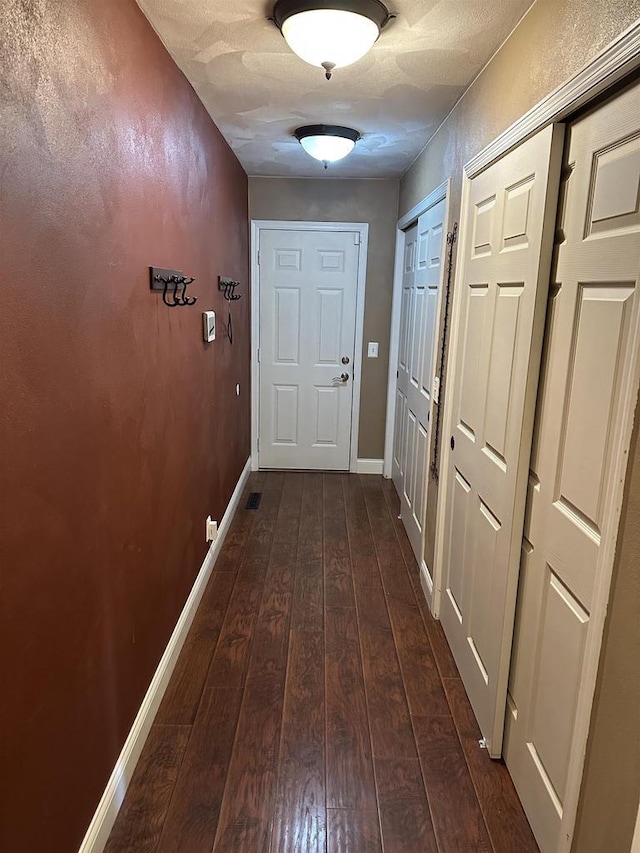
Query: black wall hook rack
[228,287]
[172,282]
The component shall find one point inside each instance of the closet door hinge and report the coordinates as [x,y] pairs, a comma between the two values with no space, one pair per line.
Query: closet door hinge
[356,238]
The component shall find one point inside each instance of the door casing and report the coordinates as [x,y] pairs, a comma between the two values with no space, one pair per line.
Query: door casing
[362,228]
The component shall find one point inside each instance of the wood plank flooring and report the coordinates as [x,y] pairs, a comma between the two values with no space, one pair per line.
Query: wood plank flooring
[315,707]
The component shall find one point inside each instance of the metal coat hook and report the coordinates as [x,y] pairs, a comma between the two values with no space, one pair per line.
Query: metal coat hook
[184,282]
[174,283]
[228,287]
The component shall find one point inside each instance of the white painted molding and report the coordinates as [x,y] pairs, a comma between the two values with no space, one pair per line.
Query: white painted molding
[422,206]
[635,843]
[616,61]
[426,583]
[255,343]
[369,466]
[362,228]
[394,343]
[109,805]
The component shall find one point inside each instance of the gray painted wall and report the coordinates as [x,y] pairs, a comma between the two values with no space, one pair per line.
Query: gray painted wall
[375,202]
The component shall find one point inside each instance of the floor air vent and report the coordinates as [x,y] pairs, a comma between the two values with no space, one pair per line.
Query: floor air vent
[254,500]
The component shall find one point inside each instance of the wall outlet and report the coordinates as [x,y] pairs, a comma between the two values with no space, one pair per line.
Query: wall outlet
[211,530]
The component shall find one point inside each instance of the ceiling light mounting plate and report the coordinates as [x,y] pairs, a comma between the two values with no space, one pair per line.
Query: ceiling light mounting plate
[372,9]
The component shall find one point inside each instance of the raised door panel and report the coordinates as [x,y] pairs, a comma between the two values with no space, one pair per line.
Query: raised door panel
[285,414]
[417,334]
[286,325]
[327,417]
[469,389]
[329,334]
[410,449]
[460,545]
[405,313]
[397,467]
[419,492]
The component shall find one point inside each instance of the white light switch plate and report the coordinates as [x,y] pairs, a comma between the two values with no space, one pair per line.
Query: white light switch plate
[372,350]
[209,325]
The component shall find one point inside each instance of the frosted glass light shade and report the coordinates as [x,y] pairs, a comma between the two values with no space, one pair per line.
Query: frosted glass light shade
[330,37]
[330,33]
[327,142]
[328,149]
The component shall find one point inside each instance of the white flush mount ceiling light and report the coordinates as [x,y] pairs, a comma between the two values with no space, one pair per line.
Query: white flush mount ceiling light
[330,33]
[327,142]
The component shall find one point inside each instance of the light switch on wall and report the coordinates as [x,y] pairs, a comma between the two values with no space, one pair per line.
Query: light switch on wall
[372,351]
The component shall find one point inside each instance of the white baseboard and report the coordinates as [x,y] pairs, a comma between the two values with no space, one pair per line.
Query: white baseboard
[369,466]
[107,811]
[427,584]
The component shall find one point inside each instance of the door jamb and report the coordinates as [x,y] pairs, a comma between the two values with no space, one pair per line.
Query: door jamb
[362,229]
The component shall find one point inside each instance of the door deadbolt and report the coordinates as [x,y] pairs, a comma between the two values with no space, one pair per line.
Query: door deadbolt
[345,359]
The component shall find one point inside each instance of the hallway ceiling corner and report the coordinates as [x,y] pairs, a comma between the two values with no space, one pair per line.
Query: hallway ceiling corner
[257,91]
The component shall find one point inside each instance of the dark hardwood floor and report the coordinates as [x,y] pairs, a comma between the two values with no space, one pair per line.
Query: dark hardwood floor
[315,705]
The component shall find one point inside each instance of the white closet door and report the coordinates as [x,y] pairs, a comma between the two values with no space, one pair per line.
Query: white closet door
[308,291]
[587,396]
[418,318]
[507,225]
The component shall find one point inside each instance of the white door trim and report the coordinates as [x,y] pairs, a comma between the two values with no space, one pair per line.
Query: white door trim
[617,60]
[362,228]
[404,222]
[635,842]
[394,340]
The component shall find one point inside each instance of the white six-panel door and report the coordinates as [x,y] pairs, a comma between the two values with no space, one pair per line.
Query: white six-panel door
[308,292]
[587,396]
[424,245]
[507,236]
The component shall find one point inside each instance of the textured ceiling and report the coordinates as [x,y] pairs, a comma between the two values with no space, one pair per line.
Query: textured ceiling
[258,92]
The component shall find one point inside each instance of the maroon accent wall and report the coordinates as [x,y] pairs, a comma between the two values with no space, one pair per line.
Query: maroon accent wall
[120,429]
